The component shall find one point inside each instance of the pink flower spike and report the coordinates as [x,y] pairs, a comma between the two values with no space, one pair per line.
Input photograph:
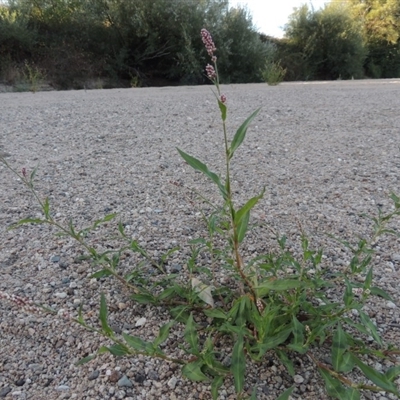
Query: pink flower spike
[223,98]
[208,42]
[211,72]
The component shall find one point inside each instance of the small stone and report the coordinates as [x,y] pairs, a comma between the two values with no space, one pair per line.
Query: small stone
[378,366]
[396,257]
[61,295]
[121,394]
[63,264]
[35,367]
[55,259]
[298,379]
[82,268]
[114,376]
[140,378]
[122,306]
[4,392]
[153,375]
[390,304]
[94,375]
[140,322]
[116,328]
[20,382]
[172,382]
[125,382]
[62,388]
[176,268]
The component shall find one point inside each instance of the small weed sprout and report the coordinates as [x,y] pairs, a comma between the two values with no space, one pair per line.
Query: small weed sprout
[276,302]
[33,75]
[273,73]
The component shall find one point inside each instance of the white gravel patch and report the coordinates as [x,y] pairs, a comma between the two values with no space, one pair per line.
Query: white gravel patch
[326,152]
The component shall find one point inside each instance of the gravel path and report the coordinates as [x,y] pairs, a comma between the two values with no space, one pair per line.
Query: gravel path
[326,152]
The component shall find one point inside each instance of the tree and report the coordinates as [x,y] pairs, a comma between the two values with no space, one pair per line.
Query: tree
[325,44]
[381,29]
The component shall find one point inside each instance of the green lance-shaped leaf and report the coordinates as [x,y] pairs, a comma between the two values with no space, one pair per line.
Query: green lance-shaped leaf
[241,133]
[339,346]
[286,361]
[199,166]
[135,342]
[368,279]
[103,316]
[86,359]
[286,394]
[139,344]
[393,372]
[107,218]
[366,320]
[223,109]
[215,386]
[347,364]
[144,298]
[190,335]
[46,208]
[242,227]
[298,337]
[193,371]
[348,294]
[163,334]
[27,221]
[333,385]
[118,350]
[381,293]
[101,274]
[352,394]
[215,313]
[238,366]
[247,207]
[376,377]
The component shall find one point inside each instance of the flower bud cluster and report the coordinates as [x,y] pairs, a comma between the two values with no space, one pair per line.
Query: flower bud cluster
[211,72]
[208,42]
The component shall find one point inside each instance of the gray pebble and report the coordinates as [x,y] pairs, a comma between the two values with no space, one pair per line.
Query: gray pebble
[298,379]
[94,375]
[62,388]
[390,304]
[172,382]
[125,382]
[396,257]
[4,392]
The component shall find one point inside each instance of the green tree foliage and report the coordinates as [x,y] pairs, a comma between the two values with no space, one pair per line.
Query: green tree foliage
[17,42]
[324,44]
[137,40]
[381,27]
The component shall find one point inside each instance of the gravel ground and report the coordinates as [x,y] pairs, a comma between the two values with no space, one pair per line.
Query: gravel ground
[326,152]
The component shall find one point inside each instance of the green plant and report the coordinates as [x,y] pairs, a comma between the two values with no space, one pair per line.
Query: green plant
[33,75]
[273,73]
[276,302]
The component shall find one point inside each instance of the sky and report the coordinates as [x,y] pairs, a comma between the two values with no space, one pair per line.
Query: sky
[270,16]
